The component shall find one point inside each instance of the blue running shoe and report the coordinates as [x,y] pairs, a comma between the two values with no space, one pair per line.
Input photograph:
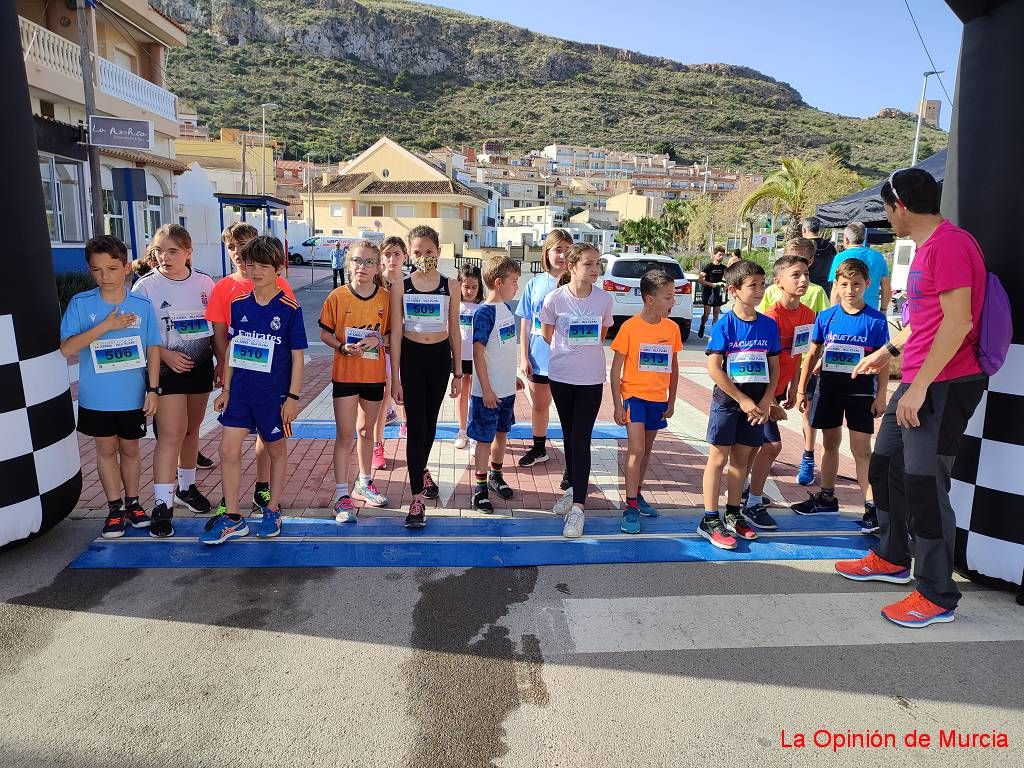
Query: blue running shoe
[270,526]
[630,520]
[224,528]
[645,509]
[806,474]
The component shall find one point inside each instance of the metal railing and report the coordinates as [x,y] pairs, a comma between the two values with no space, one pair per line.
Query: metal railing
[48,49]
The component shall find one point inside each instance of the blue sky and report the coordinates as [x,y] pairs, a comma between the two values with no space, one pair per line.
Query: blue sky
[848,57]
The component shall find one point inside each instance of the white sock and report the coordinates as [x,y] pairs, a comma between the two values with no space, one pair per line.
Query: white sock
[186,478]
[340,489]
[163,492]
[753,501]
[364,479]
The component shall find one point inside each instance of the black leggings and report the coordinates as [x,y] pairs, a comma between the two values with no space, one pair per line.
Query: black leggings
[577,406]
[425,369]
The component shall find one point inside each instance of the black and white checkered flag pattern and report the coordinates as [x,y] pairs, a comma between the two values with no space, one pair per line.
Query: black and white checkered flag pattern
[987,490]
[40,468]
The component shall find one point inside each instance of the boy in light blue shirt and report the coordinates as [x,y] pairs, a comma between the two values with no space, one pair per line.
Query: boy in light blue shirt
[115,334]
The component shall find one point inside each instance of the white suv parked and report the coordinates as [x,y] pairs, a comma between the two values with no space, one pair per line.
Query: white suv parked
[622,281]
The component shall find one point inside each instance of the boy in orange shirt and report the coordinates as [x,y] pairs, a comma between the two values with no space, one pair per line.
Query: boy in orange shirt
[644,377]
[218,312]
[795,321]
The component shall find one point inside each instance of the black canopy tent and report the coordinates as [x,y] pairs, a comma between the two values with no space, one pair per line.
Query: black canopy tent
[866,205]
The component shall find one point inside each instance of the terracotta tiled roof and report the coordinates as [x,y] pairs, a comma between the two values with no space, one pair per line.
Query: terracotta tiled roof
[173,21]
[344,183]
[144,158]
[446,187]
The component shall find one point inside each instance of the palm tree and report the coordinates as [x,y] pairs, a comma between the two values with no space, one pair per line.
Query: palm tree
[675,218]
[649,234]
[787,190]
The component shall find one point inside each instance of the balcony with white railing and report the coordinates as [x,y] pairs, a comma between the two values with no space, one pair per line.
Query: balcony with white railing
[48,50]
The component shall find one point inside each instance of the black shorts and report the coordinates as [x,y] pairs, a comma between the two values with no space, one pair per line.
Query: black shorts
[828,409]
[536,378]
[127,425]
[467,367]
[372,392]
[198,381]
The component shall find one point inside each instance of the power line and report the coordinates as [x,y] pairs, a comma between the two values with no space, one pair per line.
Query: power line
[929,55]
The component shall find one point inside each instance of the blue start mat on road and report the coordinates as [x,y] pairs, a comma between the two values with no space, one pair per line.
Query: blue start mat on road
[324,429]
[463,542]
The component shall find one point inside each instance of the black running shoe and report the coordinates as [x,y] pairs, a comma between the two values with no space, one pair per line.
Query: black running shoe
[757,516]
[482,503]
[417,517]
[160,527]
[817,504]
[869,523]
[429,487]
[137,516]
[566,483]
[205,462]
[260,499]
[533,456]
[193,500]
[113,528]
[497,484]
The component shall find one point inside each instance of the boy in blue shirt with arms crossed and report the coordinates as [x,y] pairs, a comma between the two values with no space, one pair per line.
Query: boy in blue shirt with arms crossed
[119,374]
[495,355]
[262,383]
[743,361]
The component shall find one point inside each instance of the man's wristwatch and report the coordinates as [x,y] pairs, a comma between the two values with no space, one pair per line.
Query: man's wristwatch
[892,349]
[154,390]
[293,396]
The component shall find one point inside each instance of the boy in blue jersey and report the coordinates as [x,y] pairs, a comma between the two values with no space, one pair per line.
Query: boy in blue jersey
[118,375]
[743,361]
[261,385]
[843,335]
[492,406]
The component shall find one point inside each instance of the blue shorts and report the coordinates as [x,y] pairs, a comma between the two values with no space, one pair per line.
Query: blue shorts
[264,418]
[485,422]
[651,414]
[728,425]
[771,428]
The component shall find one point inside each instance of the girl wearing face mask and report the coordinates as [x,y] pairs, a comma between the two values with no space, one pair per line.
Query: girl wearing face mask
[425,342]
[179,295]
[534,349]
[575,318]
[393,256]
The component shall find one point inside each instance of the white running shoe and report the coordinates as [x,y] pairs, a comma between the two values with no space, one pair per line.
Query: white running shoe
[461,441]
[564,504]
[573,523]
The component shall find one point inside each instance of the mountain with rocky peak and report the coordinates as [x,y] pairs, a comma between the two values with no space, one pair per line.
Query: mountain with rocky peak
[346,71]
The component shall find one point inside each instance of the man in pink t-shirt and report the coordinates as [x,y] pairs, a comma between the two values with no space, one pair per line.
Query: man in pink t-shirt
[942,384]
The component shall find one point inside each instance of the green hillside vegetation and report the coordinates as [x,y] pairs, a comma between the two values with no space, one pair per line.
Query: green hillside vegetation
[500,81]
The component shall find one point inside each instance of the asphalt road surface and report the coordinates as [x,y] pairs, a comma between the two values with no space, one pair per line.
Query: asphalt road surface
[627,665]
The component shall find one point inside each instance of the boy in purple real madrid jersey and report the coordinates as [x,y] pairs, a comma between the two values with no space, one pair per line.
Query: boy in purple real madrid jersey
[262,383]
[743,361]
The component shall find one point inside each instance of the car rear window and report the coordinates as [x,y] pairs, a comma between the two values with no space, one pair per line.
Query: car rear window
[636,268]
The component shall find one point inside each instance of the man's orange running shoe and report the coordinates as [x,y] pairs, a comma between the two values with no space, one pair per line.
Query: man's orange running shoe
[916,610]
[872,568]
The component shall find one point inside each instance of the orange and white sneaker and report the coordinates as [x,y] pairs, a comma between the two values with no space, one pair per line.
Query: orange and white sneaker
[871,567]
[916,610]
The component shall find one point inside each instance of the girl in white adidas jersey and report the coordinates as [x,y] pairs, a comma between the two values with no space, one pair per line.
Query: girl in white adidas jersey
[179,295]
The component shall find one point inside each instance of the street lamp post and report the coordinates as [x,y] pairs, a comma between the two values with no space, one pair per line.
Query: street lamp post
[263,137]
[920,112]
[312,214]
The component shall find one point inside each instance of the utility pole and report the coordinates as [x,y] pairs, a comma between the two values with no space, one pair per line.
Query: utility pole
[920,113]
[312,213]
[243,162]
[88,70]
[263,139]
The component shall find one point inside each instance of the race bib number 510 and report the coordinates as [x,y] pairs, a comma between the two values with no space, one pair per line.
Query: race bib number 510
[252,354]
